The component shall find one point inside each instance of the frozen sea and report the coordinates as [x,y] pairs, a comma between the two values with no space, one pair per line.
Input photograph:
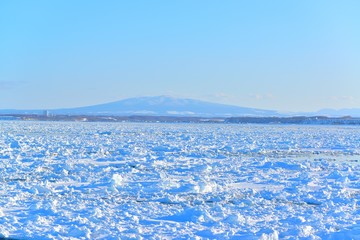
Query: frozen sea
[76,180]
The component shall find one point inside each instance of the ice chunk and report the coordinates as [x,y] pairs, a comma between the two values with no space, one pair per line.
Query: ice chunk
[270,236]
[117,180]
[306,231]
[205,187]
[187,215]
[335,175]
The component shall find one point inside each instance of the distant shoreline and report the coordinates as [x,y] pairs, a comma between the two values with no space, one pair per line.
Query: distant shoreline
[320,120]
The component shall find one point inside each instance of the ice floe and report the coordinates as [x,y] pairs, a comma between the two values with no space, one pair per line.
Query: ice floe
[185,181]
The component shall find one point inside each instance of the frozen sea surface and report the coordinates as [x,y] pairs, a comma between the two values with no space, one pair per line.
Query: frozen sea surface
[178,181]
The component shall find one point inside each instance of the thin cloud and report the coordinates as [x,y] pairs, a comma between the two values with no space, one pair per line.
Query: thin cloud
[259,97]
[220,97]
[343,98]
[349,99]
[7,85]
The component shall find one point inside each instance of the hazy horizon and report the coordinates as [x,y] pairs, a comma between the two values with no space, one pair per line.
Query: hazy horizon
[279,55]
[134,101]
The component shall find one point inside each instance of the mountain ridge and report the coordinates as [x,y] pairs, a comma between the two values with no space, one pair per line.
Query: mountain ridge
[167,106]
[178,107]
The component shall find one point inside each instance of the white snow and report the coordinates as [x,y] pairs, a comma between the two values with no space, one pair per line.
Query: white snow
[117,179]
[185,181]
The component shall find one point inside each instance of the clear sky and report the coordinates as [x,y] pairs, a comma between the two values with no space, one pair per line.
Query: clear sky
[289,55]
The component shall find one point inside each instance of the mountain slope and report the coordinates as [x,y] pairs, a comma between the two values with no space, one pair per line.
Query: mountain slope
[166,106]
[169,106]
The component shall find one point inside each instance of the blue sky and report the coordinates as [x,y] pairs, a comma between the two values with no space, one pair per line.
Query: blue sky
[282,55]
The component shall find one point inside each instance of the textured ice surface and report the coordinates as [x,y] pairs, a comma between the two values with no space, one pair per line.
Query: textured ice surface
[191,181]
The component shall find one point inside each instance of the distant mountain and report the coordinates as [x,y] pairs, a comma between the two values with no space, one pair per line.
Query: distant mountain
[178,107]
[353,112]
[166,106]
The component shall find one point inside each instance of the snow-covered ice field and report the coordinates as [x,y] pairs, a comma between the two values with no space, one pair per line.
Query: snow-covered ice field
[178,181]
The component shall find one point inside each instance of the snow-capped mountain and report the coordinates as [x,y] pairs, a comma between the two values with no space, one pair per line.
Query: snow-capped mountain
[183,107]
[166,106]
